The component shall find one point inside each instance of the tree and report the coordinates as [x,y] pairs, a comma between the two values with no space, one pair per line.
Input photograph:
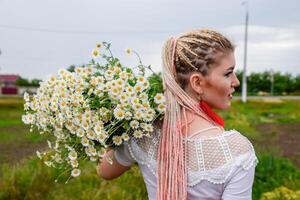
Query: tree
[35,82]
[22,82]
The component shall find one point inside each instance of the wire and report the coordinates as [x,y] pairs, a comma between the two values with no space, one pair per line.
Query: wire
[78,31]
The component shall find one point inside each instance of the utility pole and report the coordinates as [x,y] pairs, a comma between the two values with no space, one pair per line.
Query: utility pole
[272,82]
[0,55]
[244,83]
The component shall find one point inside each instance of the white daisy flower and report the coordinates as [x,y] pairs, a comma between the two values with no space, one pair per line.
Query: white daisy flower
[75,172]
[146,84]
[95,52]
[130,75]
[161,107]
[29,118]
[141,79]
[128,115]
[92,151]
[148,127]
[123,75]
[159,98]
[151,111]
[91,135]
[138,88]
[26,97]
[100,79]
[120,82]
[48,163]
[128,50]
[62,72]
[115,91]
[134,100]
[93,158]
[39,155]
[138,115]
[101,153]
[123,98]
[91,90]
[137,106]
[80,132]
[85,141]
[62,105]
[109,74]
[138,134]
[143,96]
[49,144]
[125,136]
[74,163]
[117,140]
[102,137]
[57,158]
[148,118]
[119,114]
[117,70]
[98,129]
[129,89]
[72,155]
[85,125]
[134,124]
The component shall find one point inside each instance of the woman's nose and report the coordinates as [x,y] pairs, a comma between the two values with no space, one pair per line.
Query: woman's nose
[235,82]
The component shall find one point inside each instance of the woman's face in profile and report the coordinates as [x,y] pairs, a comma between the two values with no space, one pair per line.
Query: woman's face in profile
[219,84]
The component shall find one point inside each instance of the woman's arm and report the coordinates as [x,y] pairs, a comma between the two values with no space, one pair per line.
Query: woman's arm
[240,185]
[109,171]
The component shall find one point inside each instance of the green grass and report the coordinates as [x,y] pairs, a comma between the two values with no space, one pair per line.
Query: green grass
[34,180]
[245,117]
[273,172]
[29,178]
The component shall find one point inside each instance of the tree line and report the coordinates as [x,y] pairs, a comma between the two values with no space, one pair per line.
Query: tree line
[270,83]
[28,83]
[258,83]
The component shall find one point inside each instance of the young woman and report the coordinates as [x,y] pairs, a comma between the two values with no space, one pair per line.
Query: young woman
[190,155]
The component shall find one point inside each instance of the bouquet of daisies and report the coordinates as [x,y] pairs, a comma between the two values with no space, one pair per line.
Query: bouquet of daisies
[91,109]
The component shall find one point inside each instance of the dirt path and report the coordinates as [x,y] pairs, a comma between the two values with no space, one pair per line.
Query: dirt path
[283,137]
[17,153]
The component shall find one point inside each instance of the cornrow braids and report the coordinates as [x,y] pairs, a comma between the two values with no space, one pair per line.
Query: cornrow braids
[199,50]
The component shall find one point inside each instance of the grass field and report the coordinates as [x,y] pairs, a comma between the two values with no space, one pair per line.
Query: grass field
[273,128]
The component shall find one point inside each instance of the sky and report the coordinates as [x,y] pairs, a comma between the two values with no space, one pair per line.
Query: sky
[38,37]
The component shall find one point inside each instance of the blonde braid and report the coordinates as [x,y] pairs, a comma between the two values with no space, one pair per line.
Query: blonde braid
[199,50]
[191,51]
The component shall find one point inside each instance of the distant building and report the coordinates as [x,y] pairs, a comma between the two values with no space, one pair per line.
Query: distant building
[8,84]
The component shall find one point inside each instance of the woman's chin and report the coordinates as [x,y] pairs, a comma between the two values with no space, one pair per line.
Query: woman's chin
[225,107]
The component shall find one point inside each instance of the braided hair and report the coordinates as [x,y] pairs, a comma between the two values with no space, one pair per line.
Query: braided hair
[199,51]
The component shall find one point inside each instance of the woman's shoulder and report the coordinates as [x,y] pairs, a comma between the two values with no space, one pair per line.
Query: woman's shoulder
[231,141]
[238,143]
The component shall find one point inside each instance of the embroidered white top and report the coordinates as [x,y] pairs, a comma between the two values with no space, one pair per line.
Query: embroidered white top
[219,167]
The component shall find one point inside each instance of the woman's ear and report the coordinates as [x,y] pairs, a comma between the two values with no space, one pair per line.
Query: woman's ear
[197,82]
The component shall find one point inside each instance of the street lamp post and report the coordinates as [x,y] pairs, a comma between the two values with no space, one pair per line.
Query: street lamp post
[244,83]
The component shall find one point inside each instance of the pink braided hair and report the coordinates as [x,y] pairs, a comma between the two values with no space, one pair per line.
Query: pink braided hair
[171,171]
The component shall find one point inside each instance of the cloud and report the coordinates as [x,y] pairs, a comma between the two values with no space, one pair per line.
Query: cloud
[268,48]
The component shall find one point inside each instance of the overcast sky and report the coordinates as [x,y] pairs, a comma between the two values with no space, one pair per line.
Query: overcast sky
[37,37]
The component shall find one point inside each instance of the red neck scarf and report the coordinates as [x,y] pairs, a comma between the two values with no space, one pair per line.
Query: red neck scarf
[207,109]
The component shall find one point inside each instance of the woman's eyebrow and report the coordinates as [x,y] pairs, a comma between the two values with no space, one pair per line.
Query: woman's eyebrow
[230,68]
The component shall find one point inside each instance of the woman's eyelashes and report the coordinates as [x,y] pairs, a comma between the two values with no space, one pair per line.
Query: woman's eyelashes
[228,73]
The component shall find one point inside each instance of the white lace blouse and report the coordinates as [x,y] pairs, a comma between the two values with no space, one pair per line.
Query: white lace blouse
[219,167]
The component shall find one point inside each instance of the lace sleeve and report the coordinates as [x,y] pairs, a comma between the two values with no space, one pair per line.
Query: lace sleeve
[215,159]
[144,150]
[122,155]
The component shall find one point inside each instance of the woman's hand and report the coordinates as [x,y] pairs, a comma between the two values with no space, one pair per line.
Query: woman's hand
[110,170]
